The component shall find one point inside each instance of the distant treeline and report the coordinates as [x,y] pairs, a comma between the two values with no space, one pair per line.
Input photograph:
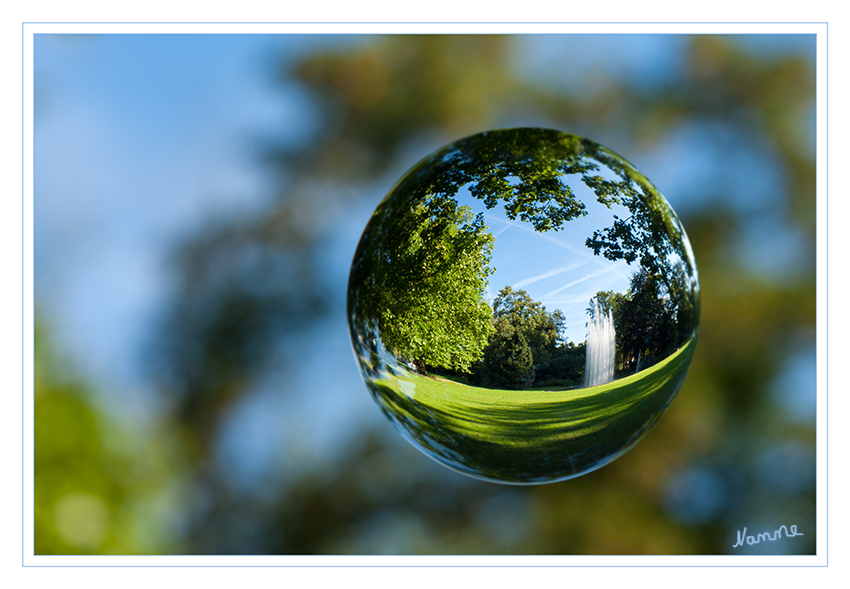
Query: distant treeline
[526,347]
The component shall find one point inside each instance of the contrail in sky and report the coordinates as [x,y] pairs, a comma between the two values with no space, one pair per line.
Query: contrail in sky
[587,277]
[553,272]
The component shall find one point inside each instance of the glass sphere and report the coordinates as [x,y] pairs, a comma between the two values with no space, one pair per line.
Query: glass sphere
[524,305]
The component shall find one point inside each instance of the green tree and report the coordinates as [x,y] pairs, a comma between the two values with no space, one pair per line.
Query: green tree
[566,367]
[651,234]
[646,321]
[519,323]
[522,170]
[541,329]
[609,300]
[525,170]
[421,270]
[508,359]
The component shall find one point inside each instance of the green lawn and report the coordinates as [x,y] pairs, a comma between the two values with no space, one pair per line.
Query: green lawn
[529,431]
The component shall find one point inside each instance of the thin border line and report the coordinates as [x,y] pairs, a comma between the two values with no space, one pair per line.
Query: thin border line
[445,566]
[24,24]
[332,23]
[826,255]
[23,291]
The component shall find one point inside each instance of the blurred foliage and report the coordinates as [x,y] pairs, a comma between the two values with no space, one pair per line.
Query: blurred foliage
[101,486]
[251,290]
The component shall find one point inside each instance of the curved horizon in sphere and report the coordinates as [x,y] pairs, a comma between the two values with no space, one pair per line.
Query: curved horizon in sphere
[524,305]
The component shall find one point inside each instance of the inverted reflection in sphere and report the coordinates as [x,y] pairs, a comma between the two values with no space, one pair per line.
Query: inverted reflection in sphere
[524,305]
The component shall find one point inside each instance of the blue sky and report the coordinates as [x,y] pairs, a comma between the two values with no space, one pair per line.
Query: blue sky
[555,268]
[137,141]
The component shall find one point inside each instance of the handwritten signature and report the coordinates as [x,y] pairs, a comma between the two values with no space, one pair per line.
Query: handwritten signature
[742,536]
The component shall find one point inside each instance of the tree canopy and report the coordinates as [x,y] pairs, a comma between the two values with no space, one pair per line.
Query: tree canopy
[525,342]
[652,234]
[421,273]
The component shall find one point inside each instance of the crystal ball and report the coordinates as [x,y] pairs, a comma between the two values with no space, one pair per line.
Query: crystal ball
[523,305]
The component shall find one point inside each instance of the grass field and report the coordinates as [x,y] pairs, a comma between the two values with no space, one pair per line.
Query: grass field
[521,435]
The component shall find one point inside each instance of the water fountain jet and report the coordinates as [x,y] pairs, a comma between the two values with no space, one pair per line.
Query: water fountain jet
[601,347]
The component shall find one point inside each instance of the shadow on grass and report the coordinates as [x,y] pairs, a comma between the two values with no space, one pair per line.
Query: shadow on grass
[530,436]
